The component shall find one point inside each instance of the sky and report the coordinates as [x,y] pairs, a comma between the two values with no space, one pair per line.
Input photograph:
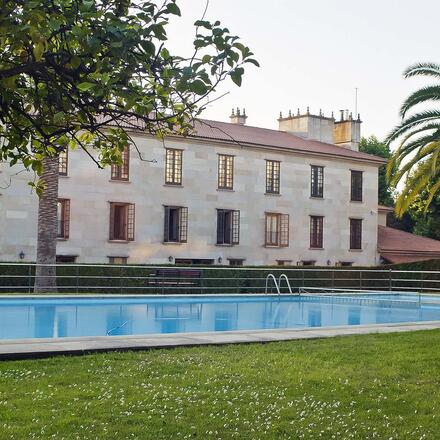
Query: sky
[316,53]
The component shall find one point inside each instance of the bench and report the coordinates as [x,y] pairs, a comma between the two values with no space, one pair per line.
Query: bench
[175,277]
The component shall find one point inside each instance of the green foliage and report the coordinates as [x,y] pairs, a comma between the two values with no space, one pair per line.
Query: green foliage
[372,145]
[71,68]
[419,135]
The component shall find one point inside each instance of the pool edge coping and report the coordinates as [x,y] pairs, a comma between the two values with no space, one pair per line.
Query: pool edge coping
[13,349]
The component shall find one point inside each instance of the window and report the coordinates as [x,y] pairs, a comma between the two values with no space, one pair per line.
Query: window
[63,161]
[121,221]
[236,261]
[355,233]
[63,218]
[66,259]
[225,171]
[344,263]
[356,186]
[228,226]
[307,263]
[176,224]
[277,230]
[316,232]
[272,177]
[121,172]
[284,262]
[173,167]
[317,181]
[117,260]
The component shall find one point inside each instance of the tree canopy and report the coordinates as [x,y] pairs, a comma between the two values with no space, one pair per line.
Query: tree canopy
[372,145]
[71,68]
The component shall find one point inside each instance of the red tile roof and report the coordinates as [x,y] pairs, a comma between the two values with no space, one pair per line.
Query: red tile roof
[398,246]
[245,135]
[248,135]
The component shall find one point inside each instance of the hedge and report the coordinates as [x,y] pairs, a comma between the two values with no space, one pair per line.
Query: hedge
[104,279]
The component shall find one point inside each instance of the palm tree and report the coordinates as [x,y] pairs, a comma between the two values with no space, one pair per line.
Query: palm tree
[45,274]
[419,136]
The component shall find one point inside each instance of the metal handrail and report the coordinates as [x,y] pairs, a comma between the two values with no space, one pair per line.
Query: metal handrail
[283,276]
[272,277]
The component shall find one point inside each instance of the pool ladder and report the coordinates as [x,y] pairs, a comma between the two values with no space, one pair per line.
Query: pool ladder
[277,284]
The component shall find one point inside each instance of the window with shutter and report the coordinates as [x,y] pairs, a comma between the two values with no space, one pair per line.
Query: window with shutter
[317,181]
[277,229]
[122,221]
[356,186]
[355,233]
[122,171]
[175,224]
[228,226]
[316,232]
[63,221]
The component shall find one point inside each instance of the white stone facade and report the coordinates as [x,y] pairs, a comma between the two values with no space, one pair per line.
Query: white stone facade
[90,190]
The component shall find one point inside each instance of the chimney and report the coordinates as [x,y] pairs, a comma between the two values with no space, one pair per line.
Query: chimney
[347,132]
[316,127]
[238,117]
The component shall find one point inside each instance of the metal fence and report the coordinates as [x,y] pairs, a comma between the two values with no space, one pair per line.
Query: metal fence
[102,279]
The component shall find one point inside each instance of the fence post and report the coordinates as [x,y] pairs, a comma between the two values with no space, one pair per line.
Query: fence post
[77,279]
[390,279]
[303,280]
[30,278]
[360,280]
[333,279]
[421,282]
[120,280]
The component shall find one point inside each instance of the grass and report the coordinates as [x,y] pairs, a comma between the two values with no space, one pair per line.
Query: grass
[361,387]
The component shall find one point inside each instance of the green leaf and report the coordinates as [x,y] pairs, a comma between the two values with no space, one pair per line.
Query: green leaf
[236,75]
[85,86]
[198,87]
[172,8]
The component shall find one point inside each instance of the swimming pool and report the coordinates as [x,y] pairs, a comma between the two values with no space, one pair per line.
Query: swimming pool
[55,317]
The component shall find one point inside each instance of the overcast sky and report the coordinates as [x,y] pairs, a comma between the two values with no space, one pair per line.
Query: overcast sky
[315,53]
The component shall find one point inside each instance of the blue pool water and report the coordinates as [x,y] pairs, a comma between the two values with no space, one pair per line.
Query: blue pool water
[110,315]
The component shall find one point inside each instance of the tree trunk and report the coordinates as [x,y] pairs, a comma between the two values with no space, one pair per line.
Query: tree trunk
[45,276]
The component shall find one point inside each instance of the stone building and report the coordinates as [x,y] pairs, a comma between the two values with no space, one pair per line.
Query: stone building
[228,194]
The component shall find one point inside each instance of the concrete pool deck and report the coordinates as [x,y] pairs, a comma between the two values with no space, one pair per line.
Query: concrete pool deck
[47,347]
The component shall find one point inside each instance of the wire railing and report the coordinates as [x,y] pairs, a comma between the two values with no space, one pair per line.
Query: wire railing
[140,279]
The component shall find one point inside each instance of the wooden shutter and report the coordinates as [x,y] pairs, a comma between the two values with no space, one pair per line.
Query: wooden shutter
[235,227]
[66,217]
[130,222]
[166,224]
[183,225]
[220,226]
[284,230]
[112,222]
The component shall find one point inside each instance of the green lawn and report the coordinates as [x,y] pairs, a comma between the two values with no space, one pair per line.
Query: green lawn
[375,386]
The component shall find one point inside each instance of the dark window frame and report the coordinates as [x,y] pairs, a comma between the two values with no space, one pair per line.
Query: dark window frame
[356,233]
[122,172]
[112,258]
[225,172]
[236,261]
[317,181]
[63,224]
[173,166]
[316,232]
[356,190]
[175,224]
[228,227]
[273,174]
[127,230]
[280,236]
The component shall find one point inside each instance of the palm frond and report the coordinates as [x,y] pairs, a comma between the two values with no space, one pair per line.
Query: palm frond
[426,69]
[430,93]
[413,121]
